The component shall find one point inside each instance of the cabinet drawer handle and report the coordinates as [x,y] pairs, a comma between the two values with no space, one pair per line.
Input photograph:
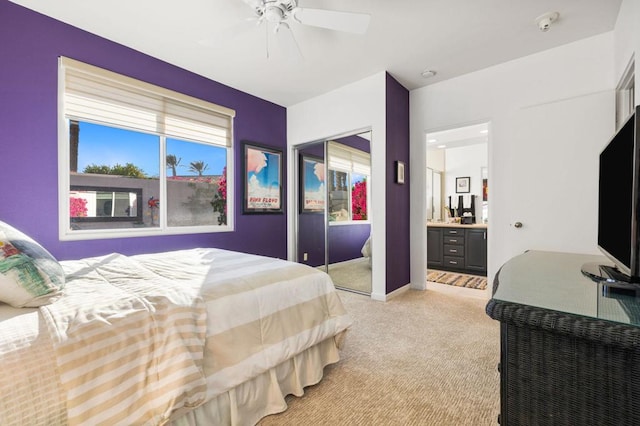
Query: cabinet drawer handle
[452,262]
[453,251]
[453,232]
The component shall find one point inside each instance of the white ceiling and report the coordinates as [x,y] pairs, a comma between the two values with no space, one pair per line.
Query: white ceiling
[453,37]
[458,137]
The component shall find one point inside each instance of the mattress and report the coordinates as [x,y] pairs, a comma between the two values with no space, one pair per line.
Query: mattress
[211,324]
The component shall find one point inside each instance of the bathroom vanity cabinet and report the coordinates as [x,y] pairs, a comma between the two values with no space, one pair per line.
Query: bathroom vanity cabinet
[458,248]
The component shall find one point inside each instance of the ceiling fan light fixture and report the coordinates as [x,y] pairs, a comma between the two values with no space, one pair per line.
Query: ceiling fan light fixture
[277,14]
[274,14]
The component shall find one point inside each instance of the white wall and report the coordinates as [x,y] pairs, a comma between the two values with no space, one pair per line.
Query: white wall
[436,159]
[578,75]
[355,107]
[461,162]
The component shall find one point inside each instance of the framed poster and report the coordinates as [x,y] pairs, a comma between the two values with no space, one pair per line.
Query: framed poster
[463,185]
[262,179]
[312,184]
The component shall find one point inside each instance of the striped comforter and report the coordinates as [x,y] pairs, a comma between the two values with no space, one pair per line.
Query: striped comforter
[128,343]
[141,339]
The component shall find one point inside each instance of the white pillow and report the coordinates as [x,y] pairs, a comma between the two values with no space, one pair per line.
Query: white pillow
[29,275]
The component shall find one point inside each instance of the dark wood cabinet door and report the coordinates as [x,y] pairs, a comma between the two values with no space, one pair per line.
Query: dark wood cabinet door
[434,247]
[476,250]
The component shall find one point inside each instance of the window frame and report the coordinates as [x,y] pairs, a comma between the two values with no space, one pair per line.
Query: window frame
[625,94]
[351,221]
[64,164]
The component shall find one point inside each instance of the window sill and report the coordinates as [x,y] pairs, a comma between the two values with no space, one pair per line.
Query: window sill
[100,234]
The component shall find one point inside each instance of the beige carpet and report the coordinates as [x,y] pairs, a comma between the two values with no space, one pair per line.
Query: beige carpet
[458,280]
[423,358]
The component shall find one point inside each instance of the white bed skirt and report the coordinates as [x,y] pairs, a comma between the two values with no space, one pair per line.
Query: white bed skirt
[249,402]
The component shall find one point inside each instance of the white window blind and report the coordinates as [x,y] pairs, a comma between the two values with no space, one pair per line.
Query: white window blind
[101,96]
[347,159]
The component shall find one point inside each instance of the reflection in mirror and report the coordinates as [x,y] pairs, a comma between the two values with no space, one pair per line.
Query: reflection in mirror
[339,241]
[348,212]
[434,195]
[485,194]
[349,171]
[311,193]
[103,204]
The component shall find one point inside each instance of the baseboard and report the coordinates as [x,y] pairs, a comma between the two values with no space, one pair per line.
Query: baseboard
[386,297]
[422,286]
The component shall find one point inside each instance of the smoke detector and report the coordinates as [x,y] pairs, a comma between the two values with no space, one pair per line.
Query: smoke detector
[428,73]
[544,21]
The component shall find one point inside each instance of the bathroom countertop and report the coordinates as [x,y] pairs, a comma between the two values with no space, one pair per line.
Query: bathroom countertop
[457,225]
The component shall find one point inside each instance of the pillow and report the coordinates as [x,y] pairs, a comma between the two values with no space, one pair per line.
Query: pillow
[29,275]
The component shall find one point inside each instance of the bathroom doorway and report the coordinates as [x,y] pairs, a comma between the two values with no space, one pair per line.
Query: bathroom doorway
[458,203]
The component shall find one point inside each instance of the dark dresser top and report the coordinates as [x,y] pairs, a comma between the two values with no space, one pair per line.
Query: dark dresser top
[548,289]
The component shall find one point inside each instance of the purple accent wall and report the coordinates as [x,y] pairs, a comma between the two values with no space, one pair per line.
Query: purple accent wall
[30,47]
[397,197]
[355,141]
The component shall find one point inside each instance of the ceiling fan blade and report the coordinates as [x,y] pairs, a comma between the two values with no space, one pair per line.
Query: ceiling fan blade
[351,22]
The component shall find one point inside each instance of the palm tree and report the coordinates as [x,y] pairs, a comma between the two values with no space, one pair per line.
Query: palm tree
[74,142]
[173,162]
[198,167]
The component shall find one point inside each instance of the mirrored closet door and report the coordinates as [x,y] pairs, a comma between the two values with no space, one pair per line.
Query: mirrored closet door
[334,217]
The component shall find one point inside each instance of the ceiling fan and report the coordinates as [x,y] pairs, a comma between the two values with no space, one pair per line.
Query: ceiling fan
[280,13]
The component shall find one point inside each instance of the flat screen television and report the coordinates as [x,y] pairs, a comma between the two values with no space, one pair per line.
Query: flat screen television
[619,202]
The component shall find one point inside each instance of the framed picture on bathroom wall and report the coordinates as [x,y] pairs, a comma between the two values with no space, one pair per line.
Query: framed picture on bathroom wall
[463,185]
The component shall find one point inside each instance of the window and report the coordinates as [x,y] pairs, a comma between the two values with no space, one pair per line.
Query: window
[349,171]
[625,95]
[136,159]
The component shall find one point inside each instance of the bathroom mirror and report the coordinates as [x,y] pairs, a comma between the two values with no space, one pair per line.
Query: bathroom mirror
[484,174]
[434,195]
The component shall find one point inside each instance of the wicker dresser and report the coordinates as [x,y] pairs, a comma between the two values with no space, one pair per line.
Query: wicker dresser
[570,347]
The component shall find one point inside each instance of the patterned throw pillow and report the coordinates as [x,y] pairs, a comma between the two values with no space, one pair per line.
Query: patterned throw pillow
[29,275]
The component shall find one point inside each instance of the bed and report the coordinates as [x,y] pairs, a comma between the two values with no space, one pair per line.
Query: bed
[190,337]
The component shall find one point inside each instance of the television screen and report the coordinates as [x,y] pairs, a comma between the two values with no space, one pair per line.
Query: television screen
[618,198]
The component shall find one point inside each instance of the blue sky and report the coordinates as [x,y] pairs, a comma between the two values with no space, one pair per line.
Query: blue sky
[269,175]
[102,145]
